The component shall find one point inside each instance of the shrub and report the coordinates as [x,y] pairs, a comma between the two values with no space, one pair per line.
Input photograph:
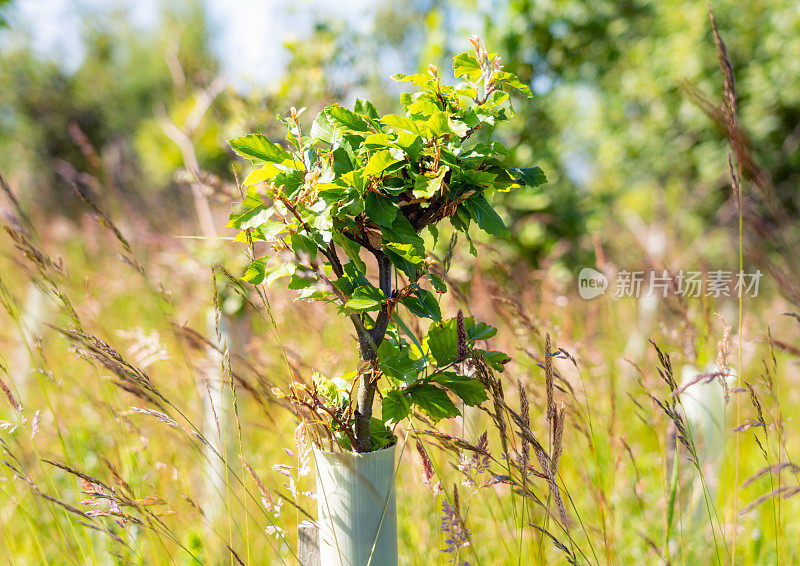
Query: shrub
[364,184]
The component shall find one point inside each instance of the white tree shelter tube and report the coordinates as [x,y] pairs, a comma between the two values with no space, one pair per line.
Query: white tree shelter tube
[356,506]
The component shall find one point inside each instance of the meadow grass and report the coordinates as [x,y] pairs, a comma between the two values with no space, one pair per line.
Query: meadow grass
[590,457]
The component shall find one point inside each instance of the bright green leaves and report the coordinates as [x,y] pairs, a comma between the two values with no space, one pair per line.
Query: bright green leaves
[427,186]
[405,257]
[366,298]
[336,389]
[263,173]
[466,65]
[438,125]
[251,213]
[401,123]
[380,160]
[258,149]
[324,129]
[418,80]
[347,119]
[334,121]
[508,79]
[258,272]
[358,184]
[365,108]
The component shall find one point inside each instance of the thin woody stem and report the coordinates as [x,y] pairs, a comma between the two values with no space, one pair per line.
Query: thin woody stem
[369,352]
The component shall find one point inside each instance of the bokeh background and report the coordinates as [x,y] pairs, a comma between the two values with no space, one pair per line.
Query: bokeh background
[133,102]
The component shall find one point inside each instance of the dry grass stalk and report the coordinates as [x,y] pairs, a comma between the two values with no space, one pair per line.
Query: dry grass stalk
[428,474]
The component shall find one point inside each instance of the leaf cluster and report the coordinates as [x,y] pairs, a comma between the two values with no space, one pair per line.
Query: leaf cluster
[360,184]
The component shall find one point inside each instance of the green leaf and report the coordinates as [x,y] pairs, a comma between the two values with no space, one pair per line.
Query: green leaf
[380,140]
[434,402]
[400,261]
[380,435]
[443,342]
[418,80]
[365,108]
[324,129]
[443,338]
[424,304]
[380,209]
[290,181]
[410,143]
[469,389]
[350,248]
[256,271]
[426,187]
[424,108]
[298,282]
[466,65]
[381,160]
[302,244]
[437,282]
[401,123]
[479,331]
[249,218]
[513,81]
[438,124]
[285,270]
[395,407]
[532,176]
[263,173]
[497,360]
[402,232]
[406,251]
[366,298]
[347,119]
[400,367]
[258,149]
[336,390]
[485,216]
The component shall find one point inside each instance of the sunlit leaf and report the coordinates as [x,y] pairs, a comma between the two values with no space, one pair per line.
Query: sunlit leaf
[258,149]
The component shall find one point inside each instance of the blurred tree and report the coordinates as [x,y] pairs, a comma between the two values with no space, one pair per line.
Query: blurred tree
[3,7]
[622,88]
[88,118]
[620,123]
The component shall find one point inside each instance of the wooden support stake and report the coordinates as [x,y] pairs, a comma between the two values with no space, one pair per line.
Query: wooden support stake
[308,543]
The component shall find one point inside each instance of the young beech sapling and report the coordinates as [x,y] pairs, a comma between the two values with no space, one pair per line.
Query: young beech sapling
[362,186]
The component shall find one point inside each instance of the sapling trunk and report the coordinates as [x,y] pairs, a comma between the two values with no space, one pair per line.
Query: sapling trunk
[366,394]
[369,353]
